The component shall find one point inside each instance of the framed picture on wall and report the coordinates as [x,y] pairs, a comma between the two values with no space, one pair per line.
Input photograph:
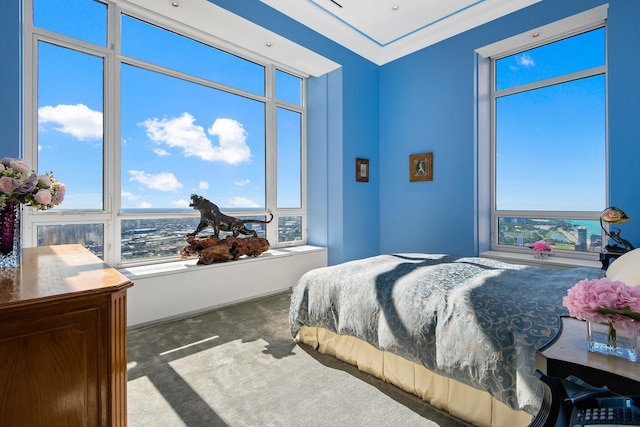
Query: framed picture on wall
[421,167]
[362,170]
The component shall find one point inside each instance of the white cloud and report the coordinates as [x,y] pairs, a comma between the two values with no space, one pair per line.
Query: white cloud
[161,152]
[242,202]
[525,60]
[165,181]
[144,205]
[128,195]
[232,139]
[203,185]
[180,203]
[242,183]
[181,132]
[77,120]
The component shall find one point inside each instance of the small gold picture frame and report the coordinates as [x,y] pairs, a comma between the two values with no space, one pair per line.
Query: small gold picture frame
[362,170]
[421,167]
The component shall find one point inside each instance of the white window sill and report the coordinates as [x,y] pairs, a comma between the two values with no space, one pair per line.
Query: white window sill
[173,267]
[553,261]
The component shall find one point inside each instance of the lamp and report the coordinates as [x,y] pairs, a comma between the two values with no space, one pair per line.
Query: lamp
[613,215]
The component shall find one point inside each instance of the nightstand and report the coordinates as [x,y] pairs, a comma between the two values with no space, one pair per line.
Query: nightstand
[567,355]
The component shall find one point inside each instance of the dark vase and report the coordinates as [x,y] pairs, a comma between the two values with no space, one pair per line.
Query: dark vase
[10,245]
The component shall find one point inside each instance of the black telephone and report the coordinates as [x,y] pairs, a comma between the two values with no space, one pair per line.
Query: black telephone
[600,407]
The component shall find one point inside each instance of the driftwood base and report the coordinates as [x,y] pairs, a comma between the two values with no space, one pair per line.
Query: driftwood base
[230,248]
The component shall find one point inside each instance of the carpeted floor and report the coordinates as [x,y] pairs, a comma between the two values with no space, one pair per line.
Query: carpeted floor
[239,366]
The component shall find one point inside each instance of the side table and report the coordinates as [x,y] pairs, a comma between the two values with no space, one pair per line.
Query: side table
[63,359]
[567,355]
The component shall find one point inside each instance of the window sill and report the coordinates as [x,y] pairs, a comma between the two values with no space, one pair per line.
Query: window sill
[173,267]
[553,261]
[177,289]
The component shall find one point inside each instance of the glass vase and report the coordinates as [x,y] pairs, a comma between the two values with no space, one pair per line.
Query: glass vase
[540,254]
[607,338]
[10,244]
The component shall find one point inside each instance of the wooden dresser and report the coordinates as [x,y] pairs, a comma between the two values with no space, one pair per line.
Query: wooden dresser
[63,340]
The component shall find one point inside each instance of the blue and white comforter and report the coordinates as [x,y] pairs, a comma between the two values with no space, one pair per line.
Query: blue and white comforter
[475,320]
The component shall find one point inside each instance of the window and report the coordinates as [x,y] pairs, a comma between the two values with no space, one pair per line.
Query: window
[549,145]
[134,118]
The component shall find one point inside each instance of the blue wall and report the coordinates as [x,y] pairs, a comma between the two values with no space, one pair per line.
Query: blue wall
[427,105]
[624,112]
[10,90]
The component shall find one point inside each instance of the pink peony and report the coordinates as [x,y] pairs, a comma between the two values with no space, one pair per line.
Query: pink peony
[541,246]
[43,196]
[6,185]
[59,196]
[45,180]
[20,166]
[588,298]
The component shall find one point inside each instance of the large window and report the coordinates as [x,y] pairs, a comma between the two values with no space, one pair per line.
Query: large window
[134,118]
[549,145]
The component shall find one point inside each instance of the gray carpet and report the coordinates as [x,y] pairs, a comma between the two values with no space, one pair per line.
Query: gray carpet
[239,366]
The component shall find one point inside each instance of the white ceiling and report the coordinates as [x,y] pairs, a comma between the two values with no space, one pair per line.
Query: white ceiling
[385,30]
[370,28]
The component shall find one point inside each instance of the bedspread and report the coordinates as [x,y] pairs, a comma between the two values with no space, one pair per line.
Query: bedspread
[476,320]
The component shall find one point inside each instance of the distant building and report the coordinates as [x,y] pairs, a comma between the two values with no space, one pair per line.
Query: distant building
[582,239]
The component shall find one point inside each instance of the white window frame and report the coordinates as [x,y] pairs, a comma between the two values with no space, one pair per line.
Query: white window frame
[488,55]
[111,215]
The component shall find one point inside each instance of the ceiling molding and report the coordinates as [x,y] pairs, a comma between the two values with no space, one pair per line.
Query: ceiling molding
[413,28]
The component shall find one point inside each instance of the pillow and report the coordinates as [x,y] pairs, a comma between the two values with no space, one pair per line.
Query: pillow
[626,268]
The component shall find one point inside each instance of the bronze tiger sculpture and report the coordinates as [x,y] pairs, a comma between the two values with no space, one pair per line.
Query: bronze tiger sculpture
[210,215]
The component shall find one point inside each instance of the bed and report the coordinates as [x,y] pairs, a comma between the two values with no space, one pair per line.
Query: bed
[459,332]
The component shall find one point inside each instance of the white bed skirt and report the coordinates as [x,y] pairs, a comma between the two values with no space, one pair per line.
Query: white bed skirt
[460,400]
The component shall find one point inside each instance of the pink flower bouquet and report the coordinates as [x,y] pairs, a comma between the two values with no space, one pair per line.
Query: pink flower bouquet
[20,184]
[541,246]
[605,301]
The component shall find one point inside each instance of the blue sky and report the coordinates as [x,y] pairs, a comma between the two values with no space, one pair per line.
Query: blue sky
[177,137]
[550,141]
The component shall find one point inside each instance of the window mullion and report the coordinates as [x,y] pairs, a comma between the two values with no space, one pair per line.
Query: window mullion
[112,140]
[187,77]
[303,163]
[271,154]
[552,81]
[29,148]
